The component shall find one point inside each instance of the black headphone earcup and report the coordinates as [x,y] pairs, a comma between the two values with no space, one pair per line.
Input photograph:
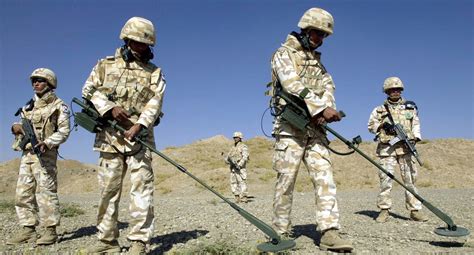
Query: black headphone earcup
[305,41]
[127,55]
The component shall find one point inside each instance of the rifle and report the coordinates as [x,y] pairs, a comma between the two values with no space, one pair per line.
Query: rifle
[91,120]
[401,136]
[298,115]
[29,133]
[233,164]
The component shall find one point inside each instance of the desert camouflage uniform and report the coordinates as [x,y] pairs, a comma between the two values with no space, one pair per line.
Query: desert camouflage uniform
[391,156]
[138,88]
[37,186]
[237,159]
[299,70]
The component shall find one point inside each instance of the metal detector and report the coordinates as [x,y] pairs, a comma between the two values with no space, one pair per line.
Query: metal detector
[451,230]
[90,119]
[296,112]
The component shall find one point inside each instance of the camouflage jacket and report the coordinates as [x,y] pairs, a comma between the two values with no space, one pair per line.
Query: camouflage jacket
[403,113]
[238,156]
[136,87]
[50,120]
[301,73]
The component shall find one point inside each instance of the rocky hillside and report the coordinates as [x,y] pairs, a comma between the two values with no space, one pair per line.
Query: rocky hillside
[447,164]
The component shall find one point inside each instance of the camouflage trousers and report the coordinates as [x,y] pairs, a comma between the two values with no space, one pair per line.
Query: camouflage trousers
[113,168]
[408,172]
[37,190]
[238,182]
[289,152]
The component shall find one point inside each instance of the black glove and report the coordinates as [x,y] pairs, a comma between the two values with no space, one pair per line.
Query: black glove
[389,129]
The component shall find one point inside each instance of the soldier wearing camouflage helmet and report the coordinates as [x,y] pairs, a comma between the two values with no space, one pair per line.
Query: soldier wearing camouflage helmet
[237,159]
[404,113]
[36,190]
[129,88]
[298,70]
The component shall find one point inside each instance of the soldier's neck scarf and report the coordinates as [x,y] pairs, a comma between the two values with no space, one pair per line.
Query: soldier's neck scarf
[46,99]
[396,102]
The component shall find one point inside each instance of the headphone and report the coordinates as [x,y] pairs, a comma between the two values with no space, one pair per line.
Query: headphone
[128,56]
[303,38]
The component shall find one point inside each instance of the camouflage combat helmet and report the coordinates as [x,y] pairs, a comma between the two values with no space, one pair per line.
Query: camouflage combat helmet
[140,30]
[46,74]
[239,135]
[319,19]
[391,83]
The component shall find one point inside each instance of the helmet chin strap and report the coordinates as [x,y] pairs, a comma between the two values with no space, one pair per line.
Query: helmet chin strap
[143,57]
[43,91]
[307,42]
[315,46]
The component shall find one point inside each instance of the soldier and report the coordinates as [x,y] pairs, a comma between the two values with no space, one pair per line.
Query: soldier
[237,159]
[297,69]
[404,113]
[128,88]
[37,186]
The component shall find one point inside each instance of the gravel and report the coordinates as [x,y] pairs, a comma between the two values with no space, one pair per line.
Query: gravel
[203,222]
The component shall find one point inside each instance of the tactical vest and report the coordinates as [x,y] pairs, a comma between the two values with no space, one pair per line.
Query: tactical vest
[44,115]
[307,65]
[401,114]
[130,85]
[312,75]
[235,154]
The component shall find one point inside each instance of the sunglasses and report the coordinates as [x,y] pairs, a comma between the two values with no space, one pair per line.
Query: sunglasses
[33,80]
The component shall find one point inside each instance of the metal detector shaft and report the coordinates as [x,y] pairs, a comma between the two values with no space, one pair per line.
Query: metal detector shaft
[443,216]
[248,216]
[275,238]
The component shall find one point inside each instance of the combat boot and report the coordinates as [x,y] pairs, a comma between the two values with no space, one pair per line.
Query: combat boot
[48,237]
[383,216]
[244,199]
[418,216]
[26,234]
[237,198]
[104,247]
[330,240]
[137,248]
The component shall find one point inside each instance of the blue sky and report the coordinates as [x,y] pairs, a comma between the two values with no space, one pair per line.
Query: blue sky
[216,59]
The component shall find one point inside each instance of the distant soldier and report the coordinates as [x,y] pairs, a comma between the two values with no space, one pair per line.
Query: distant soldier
[237,159]
[128,88]
[404,113]
[46,118]
[297,69]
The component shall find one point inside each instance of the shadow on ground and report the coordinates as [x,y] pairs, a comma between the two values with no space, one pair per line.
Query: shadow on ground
[309,231]
[250,199]
[373,214]
[86,231]
[167,241]
[446,244]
